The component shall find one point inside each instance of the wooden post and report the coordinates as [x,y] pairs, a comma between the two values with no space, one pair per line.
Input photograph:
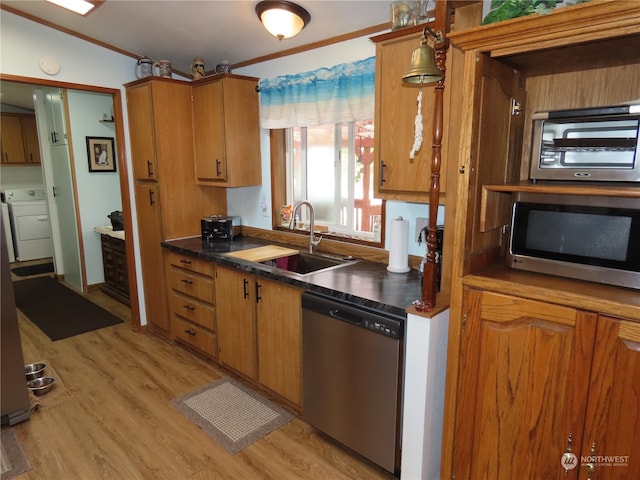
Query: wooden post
[430,273]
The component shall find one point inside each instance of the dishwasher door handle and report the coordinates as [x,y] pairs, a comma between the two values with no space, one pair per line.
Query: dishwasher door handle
[346,316]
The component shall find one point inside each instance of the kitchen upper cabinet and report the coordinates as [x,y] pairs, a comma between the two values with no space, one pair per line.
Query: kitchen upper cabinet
[537,379]
[226,131]
[236,316]
[169,203]
[11,137]
[398,177]
[30,139]
[259,330]
[19,139]
[141,116]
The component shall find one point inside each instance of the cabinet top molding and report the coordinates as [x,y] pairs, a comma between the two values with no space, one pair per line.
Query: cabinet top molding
[586,22]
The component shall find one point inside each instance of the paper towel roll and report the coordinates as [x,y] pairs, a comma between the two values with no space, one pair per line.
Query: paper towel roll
[398,246]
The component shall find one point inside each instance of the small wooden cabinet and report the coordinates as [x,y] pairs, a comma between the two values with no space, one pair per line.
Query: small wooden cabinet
[114,260]
[226,131]
[19,139]
[396,175]
[260,324]
[538,379]
[192,302]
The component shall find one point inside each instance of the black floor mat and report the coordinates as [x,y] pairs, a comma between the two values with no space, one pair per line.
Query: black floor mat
[33,269]
[57,310]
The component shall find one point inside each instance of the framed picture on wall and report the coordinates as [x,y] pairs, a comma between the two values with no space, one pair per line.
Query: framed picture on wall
[101,153]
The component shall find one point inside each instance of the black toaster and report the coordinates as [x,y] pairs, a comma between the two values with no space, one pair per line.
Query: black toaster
[216,228]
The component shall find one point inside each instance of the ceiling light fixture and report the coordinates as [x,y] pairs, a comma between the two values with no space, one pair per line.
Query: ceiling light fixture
[81,7]
[282,19]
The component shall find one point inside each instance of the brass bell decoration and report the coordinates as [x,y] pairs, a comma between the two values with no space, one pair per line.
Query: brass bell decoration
[423,69]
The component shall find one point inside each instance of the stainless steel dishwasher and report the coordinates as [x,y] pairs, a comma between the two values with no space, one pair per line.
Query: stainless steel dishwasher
[352,367]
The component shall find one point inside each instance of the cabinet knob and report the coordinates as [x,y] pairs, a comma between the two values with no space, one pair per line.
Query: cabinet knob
[185,261]
[187,281]
[591,466]
[189,307]
[190,332]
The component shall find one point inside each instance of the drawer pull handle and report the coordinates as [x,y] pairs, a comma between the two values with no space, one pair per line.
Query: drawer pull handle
[187,281]
[190,332]
[189,307]
[186,262]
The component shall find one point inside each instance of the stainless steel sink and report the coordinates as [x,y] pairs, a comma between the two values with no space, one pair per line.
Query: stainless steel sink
[306,263]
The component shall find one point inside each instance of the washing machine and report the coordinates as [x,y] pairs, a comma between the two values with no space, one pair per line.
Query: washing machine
[30,225]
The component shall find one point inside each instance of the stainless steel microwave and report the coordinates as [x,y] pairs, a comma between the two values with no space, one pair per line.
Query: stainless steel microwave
[597,144]
[594,238]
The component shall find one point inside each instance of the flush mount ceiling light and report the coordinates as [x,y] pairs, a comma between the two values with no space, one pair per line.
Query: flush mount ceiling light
[282,19]
[81,7]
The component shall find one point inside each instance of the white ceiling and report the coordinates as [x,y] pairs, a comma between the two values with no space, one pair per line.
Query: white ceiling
[215,30]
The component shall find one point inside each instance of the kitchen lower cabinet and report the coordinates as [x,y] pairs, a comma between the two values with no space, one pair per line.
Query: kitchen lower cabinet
[235,301]
[538,381]
[279,337]
[192,302]
[259,330]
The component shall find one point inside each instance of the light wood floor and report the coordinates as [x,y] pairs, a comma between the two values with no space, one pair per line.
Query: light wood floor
[109,416]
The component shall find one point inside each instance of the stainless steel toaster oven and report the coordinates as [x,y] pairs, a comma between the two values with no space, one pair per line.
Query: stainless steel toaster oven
[598,144]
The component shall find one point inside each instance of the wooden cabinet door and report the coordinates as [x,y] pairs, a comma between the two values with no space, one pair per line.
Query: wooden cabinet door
[226,129]
[524,378]
[151,258]
[208,132]
[142,132]
[396,109]
[612,422]
[236,309]
[279,324]
[11,139]
[30,138]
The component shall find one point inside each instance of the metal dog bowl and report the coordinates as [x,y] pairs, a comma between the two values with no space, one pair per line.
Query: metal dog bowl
[34,370]
[42,385]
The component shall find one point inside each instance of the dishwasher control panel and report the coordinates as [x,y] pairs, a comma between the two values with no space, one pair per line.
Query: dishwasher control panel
[387,327]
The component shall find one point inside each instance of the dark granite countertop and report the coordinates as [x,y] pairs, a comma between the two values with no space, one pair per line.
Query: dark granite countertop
[363,283]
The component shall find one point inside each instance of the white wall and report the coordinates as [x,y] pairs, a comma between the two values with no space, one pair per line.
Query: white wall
[247,202]
[99,191]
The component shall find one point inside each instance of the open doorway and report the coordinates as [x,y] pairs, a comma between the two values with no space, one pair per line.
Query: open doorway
[90,195]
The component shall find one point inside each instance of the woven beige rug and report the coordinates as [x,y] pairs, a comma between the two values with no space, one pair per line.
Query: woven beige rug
[13,461]
[231,413]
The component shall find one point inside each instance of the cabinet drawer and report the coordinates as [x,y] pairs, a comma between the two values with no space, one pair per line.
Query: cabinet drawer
[191,284]
[195,336]
[113,243]
[191,263]
[194,310]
